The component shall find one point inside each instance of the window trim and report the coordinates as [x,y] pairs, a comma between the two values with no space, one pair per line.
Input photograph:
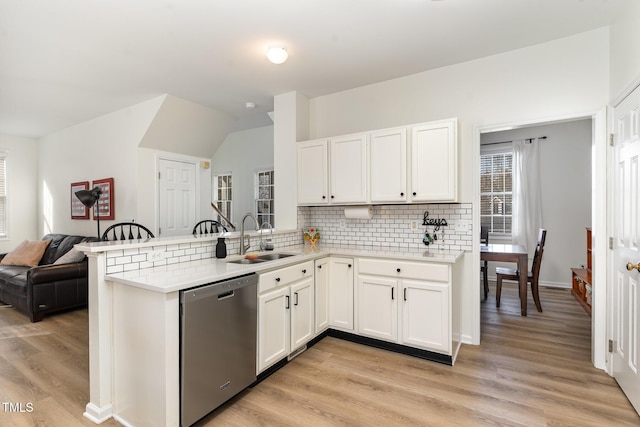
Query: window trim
[215,194]
[272,214]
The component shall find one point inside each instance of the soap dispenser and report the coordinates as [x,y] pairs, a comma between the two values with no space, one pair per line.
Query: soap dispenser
[221,248]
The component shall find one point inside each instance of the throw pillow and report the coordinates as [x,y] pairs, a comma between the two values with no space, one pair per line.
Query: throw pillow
[73,255]
[27,253]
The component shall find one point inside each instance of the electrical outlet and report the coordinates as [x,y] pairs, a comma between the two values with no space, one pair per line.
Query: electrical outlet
[343,224]
[156,256]
[413,226]
[462,226]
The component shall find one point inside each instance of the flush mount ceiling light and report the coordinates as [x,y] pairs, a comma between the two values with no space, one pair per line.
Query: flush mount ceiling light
[277,54]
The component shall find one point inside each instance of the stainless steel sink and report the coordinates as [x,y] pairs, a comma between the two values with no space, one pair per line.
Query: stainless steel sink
[270,257]
[260,258]
[247,261]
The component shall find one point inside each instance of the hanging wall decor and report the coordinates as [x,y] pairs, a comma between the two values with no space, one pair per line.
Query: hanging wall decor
[78,210]
[105,203]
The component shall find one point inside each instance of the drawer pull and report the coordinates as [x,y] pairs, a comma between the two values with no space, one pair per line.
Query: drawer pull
[401,194]
[398,270]
[319,266]
[304,271]
[277,279]
[414,193]
[349,265]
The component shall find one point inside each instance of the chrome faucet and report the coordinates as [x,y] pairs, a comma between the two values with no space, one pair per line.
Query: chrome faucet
[269,245]
[244,248]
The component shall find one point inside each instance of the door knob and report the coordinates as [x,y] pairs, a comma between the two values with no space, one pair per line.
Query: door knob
[630,266]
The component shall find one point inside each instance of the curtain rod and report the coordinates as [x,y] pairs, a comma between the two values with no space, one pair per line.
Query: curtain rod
[529,140]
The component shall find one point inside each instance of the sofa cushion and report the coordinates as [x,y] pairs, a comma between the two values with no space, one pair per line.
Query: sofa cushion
[60,245]
[73,255]
[27,253]
[14,279]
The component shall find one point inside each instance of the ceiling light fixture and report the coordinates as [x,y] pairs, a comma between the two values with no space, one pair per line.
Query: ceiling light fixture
[277,54]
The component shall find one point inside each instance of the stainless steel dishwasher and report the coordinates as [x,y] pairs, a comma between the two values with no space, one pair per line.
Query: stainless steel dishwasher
[217,344]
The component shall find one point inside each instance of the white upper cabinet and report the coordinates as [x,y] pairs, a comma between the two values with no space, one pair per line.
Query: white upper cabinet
[434,159]
[313,177]
[348,169]
[410,164]
[388,165]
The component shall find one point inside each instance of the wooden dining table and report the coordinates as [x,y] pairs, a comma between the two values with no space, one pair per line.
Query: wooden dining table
[510,253]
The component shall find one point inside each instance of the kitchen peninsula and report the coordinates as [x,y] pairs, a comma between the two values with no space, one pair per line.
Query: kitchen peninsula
[134,313]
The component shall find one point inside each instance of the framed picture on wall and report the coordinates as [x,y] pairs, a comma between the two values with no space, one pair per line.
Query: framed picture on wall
[78,210]
[105,203]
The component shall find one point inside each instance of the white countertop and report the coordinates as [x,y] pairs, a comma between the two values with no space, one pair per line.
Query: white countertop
[176,277]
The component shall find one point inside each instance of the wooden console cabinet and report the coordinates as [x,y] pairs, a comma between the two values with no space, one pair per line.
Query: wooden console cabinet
[581,281]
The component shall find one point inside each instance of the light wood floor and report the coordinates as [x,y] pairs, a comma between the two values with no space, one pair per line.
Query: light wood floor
[532,371]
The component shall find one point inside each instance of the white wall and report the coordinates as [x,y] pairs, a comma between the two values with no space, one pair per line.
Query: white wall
[105,147]
[625,49]
[22,182]
[565,179]
[563,77]
[242,154]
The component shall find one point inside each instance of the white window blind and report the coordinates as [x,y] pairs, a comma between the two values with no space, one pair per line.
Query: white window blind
[3,195]
[496,196]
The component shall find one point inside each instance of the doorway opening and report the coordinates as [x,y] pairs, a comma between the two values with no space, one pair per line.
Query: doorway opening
[569,154]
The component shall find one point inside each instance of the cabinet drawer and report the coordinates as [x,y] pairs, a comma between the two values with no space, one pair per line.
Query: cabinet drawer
[404,269]
[284,276]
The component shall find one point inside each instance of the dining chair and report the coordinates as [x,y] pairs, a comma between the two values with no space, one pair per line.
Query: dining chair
[511,274]
[484,265]
[132,230]
[208,226]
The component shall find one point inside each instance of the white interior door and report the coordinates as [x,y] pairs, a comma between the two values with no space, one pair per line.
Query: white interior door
[177,198]
[626,211]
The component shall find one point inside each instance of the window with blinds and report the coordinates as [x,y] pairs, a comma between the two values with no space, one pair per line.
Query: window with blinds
[264,197]
[3,195]
[223,191]
[496,196]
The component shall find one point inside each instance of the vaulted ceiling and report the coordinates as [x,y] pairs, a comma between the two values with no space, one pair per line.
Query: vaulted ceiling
[63,62]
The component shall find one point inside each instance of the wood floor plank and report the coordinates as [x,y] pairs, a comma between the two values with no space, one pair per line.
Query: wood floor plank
[528,371]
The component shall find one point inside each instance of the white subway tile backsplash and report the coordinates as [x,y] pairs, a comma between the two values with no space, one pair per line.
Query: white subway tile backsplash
[391,225]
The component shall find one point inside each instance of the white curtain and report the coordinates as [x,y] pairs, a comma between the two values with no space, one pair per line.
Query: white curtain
[527,200]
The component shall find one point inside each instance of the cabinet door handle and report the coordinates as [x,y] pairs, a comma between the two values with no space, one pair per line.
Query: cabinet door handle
[392,297]
[398,270]
[277,279]
[319,266]
[296,294]
[405,294]
[304,271]
[287,307]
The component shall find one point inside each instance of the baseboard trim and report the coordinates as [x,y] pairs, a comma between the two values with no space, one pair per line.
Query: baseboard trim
[98,415]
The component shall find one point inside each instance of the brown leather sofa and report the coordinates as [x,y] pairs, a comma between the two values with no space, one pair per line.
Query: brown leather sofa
[48,287]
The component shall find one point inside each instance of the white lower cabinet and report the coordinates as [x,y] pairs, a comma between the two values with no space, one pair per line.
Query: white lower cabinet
[286,314]
[322,294]
[341,293]
[406,303]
